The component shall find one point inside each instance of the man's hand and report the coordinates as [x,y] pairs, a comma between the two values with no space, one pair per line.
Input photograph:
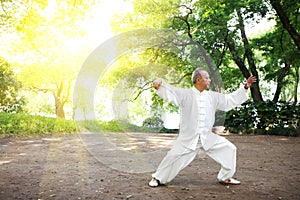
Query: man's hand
[250,80]
[157,83]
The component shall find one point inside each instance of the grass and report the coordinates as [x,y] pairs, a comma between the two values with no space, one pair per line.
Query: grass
[22,125]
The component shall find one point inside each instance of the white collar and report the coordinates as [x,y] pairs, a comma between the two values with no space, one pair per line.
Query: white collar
[197,91]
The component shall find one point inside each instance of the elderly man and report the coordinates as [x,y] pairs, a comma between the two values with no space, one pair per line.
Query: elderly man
[197,110]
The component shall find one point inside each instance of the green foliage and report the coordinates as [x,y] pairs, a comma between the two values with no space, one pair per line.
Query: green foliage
[279,54]
[25,125]
[217,25]
[16,106]
[281,118]
[232,77]
[21,125]
[157,125]
[8,21]
[9,87]
[48,33]
[147,14]
[153,122]
[111,126]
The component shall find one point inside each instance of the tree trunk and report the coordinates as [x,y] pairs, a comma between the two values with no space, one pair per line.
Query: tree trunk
[256,95]
[286,22]
[255,90]
[59,100]
[296,85]
[59,109]
[280,78]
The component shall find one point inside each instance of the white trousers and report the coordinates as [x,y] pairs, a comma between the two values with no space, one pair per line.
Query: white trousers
[223,152]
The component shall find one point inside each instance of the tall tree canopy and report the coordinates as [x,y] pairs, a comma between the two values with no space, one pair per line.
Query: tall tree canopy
[47,36]
[222,28]
[45,41]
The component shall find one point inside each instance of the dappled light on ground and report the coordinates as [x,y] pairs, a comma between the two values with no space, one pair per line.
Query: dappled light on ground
[65,168]
[283,139]
[4,161]
[128,152]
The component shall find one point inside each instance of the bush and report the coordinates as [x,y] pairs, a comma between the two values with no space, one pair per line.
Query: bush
[25,125]
[153,122]
[9,89]
[281,118]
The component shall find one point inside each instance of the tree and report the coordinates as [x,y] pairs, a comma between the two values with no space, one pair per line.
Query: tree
[9,88]
[158,14]
[219,27]
[293,7]
[8,11]
[47,41]
[279,51]
[130,79]
[222,33]
[281,61]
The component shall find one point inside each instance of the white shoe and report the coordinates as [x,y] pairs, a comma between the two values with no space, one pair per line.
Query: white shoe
[153,183]
[230,181]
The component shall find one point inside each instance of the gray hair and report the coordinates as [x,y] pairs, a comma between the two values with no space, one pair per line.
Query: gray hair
[197,74]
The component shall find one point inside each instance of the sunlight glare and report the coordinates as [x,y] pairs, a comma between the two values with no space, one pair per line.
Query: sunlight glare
[98,23]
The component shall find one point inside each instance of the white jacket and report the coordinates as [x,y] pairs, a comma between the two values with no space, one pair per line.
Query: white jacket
[187,99]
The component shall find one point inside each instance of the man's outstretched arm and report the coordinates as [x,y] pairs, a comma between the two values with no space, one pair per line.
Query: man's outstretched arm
[227,102]
[167,92]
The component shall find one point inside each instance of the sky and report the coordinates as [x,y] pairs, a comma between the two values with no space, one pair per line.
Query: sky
[102,14]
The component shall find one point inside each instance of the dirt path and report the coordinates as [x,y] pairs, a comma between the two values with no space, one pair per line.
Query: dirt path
[71,167]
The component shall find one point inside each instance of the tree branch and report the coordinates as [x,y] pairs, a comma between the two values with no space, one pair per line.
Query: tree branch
[140,89]
[2,6]
[179,81]
[202,51]
[36,89]
[147,87]
[280,78]
[286,22]
[249,56]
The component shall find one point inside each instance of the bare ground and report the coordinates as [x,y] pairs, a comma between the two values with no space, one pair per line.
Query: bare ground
[65,167]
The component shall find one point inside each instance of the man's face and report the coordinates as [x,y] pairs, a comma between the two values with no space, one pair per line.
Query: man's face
[204,81]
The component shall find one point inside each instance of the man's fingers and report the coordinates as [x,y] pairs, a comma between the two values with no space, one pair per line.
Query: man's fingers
[251,79]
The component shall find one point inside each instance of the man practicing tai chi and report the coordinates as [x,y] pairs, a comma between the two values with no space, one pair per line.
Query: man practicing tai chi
[197,117]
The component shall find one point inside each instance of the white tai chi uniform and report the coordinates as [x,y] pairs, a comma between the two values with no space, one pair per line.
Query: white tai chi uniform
[197,117]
